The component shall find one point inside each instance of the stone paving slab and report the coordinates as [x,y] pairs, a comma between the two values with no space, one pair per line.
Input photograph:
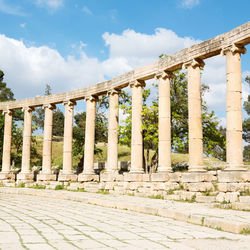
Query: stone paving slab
[33,222]
[201,214]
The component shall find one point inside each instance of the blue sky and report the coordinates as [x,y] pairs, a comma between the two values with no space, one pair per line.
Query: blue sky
[74,43]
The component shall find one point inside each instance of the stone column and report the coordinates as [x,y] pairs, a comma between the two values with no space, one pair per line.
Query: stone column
[88,173]
[233,107]
[6,161]
[112,158]
[46,173]
[195,135]
[67,173]
[164,164]
[136,133]
[25,173]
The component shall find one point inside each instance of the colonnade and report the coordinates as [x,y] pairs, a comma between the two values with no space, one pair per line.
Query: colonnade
[195,133]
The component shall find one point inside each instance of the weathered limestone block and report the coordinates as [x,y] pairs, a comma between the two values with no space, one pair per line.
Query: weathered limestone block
[131,177]
[205,199]
[228,197]
[111,177]
[158,186]
[88,177]
[199,187]
[135,185]
[172,197]
[185,195]
[171,185]
[119,190]
[23,176]
[241,206]
[174,177]
[67,177]
[46,177]
[198,177]
[232,187]
[245,199]
[159,177]
[109,185]
[234,176]
[73,186]
[7,176]
[146,177]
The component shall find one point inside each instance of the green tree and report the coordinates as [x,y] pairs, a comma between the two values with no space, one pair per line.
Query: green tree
[213,136]
[100,130]
[58,117]
[246,126]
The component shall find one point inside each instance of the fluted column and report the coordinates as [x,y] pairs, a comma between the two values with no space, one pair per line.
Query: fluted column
[195,135]
[6,162]
[47,138]
[90,135]
[234,146]
[112,161]
[27,132]
[136,133]
[164,122]
[68,137]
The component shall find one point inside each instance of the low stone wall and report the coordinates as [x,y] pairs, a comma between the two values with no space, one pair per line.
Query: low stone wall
[226,189]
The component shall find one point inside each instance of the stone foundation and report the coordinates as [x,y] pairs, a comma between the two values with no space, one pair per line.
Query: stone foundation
[226,189]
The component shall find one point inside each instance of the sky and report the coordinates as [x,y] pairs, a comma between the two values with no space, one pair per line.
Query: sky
[72,44]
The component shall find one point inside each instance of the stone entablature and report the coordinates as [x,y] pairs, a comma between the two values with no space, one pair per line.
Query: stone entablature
[212,47]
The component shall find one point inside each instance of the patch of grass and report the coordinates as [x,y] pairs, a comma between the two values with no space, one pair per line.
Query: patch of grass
[158,196]
[218,228]
[207,192]
[170,191]
[130,194]
[59,187]
[202,220]
[245,231]
[225,202]
[21,185]
[245,193]
[81,190]
[38,186]
[102,191]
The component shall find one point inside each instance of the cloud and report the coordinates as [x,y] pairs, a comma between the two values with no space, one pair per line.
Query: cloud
[189,4]
[86,10]
[11,9]
[29,68]
[51,4]
[22,25]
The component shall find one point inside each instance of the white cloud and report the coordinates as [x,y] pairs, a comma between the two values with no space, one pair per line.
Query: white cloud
[11,9]
[29,68]
[51,4]
[86,10]
[189,4]
[23,25]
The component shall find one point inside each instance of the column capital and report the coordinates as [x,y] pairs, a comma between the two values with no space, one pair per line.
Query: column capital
[194,63]
[114,92]
[8,111]
[137,83]
[164,75]
[234,48]
[91,98]
[49,106]
[27,108]
[70,103]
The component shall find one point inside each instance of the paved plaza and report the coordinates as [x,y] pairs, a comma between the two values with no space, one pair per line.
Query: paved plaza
[30,222]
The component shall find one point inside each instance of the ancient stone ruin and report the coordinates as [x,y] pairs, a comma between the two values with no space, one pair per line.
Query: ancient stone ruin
[225,185]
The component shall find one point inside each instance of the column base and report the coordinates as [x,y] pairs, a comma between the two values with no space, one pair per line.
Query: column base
[137,177]
[235,168]
[25,176]
[196,169]
[164,169]
[67,177]
[46,177]
[7,176]
[84,177]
